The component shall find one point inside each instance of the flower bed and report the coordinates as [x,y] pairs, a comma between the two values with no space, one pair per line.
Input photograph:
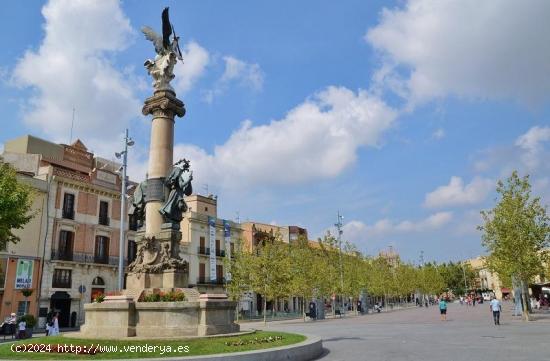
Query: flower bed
[172,296]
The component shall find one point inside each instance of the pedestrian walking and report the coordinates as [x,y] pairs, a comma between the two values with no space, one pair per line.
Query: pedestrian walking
[52,327]
[443,308]
[496,307]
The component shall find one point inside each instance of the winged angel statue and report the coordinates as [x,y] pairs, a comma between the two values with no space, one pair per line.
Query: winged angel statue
[168,53]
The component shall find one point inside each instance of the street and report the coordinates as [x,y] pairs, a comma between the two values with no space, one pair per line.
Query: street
[418,334]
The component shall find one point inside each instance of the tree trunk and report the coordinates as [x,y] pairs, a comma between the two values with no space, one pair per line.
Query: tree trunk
[525,305]
[265,310]
[304,307]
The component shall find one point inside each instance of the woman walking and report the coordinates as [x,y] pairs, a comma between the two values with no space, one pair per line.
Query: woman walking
[443,308]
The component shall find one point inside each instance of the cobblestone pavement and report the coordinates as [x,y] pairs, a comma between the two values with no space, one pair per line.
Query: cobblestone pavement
[418,334]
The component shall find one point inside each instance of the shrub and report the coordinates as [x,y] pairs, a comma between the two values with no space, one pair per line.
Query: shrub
[164,297]
[29,320]
[100,298]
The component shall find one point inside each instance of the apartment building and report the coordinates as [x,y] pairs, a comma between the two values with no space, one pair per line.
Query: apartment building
[81,249]
[207,243]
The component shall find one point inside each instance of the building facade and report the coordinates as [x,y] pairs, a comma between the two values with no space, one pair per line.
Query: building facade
[81,249]
[207,244]
[20,263]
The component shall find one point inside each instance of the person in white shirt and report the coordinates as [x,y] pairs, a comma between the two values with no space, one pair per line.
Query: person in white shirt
[22,329]
[495,307]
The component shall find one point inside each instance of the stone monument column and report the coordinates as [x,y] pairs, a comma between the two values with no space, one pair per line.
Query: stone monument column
[164,106]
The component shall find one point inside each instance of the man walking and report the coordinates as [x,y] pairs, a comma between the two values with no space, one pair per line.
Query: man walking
[496,308]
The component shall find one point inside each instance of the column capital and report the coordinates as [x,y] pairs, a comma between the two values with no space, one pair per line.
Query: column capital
[164,103]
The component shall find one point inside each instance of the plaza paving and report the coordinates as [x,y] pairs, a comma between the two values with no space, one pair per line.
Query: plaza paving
[418,334]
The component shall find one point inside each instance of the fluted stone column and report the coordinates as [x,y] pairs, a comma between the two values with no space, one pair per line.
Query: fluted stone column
[164,106]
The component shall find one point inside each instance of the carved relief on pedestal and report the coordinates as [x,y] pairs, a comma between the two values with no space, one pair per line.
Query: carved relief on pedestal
[154,256]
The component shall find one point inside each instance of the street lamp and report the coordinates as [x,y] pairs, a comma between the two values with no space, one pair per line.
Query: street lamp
[339,225]
[128,142]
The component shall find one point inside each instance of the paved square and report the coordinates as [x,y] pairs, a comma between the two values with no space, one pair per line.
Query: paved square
[418,334]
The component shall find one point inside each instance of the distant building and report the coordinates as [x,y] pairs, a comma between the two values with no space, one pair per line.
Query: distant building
[487,280]
[391,256]
[207,258]
[82,216]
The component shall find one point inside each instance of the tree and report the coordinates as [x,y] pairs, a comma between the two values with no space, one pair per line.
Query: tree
[239,267]
[516,233]
[15,204]
[305,270]
[457,276]
[269,267]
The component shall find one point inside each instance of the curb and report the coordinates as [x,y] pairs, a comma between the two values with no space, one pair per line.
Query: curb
[306,350]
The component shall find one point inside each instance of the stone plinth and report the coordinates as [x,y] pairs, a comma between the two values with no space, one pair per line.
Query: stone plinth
[167,319]
[113,318]
[217,315]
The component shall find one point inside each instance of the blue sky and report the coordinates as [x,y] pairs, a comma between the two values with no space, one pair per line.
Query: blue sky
[400,115]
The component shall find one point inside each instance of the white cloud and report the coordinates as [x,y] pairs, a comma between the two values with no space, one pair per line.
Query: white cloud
[195,59]
[236,71]
[357,231]
[317,139]
[492,49]
[531,144]
[456,193]
[73,68]
[438,134]
[249,74]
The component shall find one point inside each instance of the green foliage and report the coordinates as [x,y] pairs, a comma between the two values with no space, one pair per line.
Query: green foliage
[27,292]
[15,204]
[30,320]
[238,266]
[516,233]
[100,298]
[458,277]
[172,296]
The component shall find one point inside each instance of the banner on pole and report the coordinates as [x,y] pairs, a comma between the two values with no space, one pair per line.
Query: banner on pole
[227,239]
[212,243]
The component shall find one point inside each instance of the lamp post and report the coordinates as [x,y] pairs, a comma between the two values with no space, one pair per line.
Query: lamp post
[128,142]
[339,225]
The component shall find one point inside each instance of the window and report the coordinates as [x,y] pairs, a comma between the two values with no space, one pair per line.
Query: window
[206,209]
[101,254]
[61,278]
[202,272]
[3,265]
[23,308]
[219,273]
[104,213]
[98,281]
[65,247]
[202,246]
[68,206]
[132,251]
[132,222]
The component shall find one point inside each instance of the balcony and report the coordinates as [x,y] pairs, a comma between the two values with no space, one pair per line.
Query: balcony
[67,213]
[85,258]
[62,255]
[220,253]
[207,281]
[204,250]
[104,220]
[101,259]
